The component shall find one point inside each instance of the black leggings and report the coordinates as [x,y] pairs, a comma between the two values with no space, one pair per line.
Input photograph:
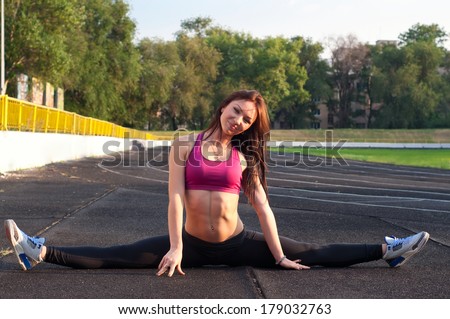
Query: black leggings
[248,248]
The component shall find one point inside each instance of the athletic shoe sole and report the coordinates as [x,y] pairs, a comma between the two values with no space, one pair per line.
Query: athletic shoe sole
[12,235]
[398,261]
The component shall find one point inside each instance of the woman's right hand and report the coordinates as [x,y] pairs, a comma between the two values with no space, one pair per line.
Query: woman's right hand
[170,262]
[292,264]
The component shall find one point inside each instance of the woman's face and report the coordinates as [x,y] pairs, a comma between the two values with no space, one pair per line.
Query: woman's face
[237,117]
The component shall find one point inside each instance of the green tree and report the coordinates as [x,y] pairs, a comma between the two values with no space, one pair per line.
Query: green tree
[159,61]
[238,58]
[412,81]
[280,75]
[348,60]
[270,65]
[440,118]
[39,37]
[407,80]
[193,79]
[195,27]
[432,33]
[109,67]
[318,83]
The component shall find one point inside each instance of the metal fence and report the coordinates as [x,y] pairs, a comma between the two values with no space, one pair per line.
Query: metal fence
[18,115]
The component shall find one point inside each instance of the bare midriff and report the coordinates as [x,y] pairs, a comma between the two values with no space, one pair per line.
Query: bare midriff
[212,216]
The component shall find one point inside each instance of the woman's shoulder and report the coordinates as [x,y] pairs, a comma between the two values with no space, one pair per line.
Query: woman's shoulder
[183,144]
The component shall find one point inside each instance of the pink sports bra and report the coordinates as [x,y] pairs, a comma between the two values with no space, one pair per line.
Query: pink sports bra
[204,174]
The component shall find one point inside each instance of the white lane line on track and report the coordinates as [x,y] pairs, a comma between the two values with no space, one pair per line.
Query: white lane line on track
[133,176]
[444,173]
[354,172]
[357,187]
[353,180]
[387,197]
[361,204]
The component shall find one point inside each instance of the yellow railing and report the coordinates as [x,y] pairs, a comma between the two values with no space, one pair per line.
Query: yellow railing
[17,115]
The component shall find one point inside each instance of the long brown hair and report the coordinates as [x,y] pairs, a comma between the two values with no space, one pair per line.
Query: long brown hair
[252,142]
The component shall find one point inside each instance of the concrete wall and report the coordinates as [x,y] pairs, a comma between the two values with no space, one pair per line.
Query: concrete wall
[20,150]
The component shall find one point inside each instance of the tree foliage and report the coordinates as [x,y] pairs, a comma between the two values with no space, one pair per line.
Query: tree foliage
[272,65]
[409,83]
[38,38]
[110,62]
[319,84]
[159,61]
[349,57]
[432,33]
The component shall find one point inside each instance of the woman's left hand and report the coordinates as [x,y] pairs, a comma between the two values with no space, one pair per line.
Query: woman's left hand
[292,264]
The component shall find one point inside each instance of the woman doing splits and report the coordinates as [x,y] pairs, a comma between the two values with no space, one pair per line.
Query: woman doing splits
[206,174]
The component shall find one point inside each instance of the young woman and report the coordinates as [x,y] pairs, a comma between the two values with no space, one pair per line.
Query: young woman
[206,174]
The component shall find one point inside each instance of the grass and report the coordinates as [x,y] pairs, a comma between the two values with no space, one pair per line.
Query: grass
[362,135]
[435,158]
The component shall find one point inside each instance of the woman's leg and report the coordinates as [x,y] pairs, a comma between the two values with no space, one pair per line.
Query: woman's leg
[30,251]
[145,253]
[255,252]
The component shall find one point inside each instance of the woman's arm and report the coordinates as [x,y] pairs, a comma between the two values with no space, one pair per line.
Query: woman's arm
[269,229]
[177,158]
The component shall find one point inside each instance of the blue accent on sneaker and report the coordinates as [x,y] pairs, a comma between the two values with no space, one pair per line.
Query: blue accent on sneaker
[394,262]
[25,261]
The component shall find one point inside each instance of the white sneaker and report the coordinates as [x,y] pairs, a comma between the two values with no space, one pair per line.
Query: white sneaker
[399,250]
[28,249]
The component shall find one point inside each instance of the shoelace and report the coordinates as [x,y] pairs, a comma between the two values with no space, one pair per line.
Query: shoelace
[394,241]
[32,241]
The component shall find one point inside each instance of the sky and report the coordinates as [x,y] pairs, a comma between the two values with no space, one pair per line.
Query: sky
[318,20]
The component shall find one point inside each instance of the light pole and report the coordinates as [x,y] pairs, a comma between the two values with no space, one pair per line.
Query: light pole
[2,84]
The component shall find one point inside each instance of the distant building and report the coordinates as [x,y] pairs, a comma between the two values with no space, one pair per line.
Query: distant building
[321,118]
[40,92]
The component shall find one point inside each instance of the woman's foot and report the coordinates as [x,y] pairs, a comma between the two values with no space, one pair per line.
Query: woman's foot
[28,249]
[399,250]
